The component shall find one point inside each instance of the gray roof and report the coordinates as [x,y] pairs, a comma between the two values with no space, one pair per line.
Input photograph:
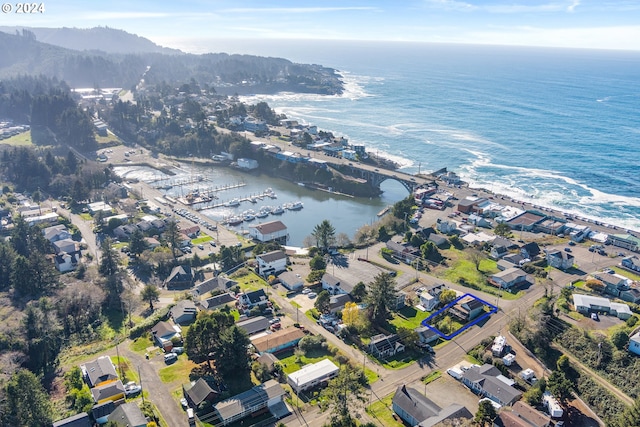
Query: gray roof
[220,282]
[217,301]
[451,412]
[486,377]
[162,329]
[257,296]
[198,391]
[128,414]
[255,397]
[78,420]
[181,273]
[254,324]
[272,256]
[338,301]
[100,370]
[333,281]
[414,403]
[107,390]
[184,308]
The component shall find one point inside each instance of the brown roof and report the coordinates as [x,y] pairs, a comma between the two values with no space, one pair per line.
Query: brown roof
[533,416]
[271,227]
[509,419]
[277,339]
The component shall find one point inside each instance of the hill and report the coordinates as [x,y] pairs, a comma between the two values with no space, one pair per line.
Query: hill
[103,39]
[23,54]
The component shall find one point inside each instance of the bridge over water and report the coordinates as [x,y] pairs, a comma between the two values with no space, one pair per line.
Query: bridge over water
[375,176]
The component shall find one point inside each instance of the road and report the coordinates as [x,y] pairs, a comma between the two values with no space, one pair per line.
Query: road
[86,229]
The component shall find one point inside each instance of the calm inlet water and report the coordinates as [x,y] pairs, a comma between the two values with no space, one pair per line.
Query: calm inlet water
[346,214]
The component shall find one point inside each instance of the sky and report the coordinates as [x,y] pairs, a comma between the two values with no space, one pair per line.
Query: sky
[602,24]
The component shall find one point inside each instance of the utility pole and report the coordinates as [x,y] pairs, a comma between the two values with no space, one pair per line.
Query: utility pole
[141,391]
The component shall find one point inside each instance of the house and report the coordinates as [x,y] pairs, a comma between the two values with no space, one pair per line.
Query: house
[488,381]
[587,304]
[268,395]
[79,420]
[144,226]
[198,392]
[291,281]
[278,341]
[614,284]
[65,262]
[383,346]
[510,278]
[630,295]
[312,375]
[337,302]
[152,243]
[251,299]
[254,325]
[417,410]
[632,263]
[272,231]
[446,227]
[221,282]
[98,372]
[181,277]
[191,232]
[56,233]
[272,262]
[184,312]
[268,360]
[334,285]
[634,343]
[65,246]
[218,301]
[498,252]
[129,415]
[101,411]
[406,253]
[112,391]
[626,241]
[163,332]
[511,260]
[560,259]
[478,221]
[532,416]
[426,335]
[467,308]
[530,250]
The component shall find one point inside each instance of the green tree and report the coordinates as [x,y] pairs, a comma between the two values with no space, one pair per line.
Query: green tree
[231,355]
[409,337]
[315,276]
[620,338]
[502,230]
[381,295]
[446,296]
[172,236]
[150,294]
[27,402]
[476,257]
[137,243]
[324,233]
[343,394]
[383,234]
[630,416]
[322,303]
[317,263]
[359,292]
[560,386]
[486,414]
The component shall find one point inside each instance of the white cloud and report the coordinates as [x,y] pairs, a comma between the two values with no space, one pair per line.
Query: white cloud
[285,10]
[504,8]
[573,6]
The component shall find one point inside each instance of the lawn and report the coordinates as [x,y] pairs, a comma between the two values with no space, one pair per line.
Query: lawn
[250,282]
[86,216]
[626,273]
[180,369]
[124,369]
[464,270]
[290,365]
[202,239]
[400,360]
[432,376]
[140,345]
[20,139]
[381,410]
[409,317]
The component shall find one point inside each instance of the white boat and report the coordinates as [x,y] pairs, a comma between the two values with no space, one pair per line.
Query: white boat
[232,202]
[277,210]
[248,215]
[235,220]
[263,213]
[295,206]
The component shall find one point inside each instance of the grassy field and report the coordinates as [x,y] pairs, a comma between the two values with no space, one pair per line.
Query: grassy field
[381,410]
[465,270]
[202,239]
[432,376]
[409,317]
[109,139]
[250,282]
[626,273]
[178,370]
[140,345]
[125,369]
[289,363]
[86,216]
[21,139]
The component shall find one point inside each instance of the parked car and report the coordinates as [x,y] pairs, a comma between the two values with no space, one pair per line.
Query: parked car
[201,247]
[170,358]
[595,317]
[312,295]
[274,320]
[177,350]
[567,249]
[132,388]
[306,291]
[571,243]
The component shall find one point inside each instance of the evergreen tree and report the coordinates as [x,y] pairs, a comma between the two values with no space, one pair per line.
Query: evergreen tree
[150,293]
[322,303]
[171,236]
[381,294]
[343,394]
[324,234]
[27,402]
[486,414]
[137,243]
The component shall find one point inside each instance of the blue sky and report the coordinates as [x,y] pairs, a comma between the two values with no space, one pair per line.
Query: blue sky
[607,24]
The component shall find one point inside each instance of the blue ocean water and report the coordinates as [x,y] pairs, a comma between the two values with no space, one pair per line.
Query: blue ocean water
[555,127]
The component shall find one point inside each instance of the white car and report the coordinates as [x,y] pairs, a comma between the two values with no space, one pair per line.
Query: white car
[312,295]
[170,358]
[306,290]
[132,388]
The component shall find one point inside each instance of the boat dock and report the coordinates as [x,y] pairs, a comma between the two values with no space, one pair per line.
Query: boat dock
[384,210]
[207,195]
[214,202]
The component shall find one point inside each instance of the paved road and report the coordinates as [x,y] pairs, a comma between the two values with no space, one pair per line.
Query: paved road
[151,383]
[86,229]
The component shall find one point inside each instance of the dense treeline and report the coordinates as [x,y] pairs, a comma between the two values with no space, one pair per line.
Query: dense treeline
[22,53]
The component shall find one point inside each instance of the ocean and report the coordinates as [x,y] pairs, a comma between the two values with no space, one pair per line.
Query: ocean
[555,127]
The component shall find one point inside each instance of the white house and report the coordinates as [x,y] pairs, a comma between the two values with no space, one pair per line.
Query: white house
[56,232]
[245,163]
[312,375]
[269,231]
[272,262]
[334,285]
[67,262]
[634,343]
